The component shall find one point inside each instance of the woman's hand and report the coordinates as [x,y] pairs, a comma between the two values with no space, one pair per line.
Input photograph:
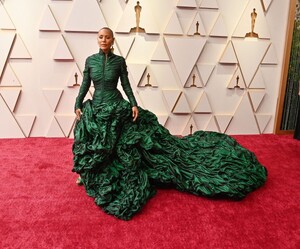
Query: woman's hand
[135,113]
[78,114]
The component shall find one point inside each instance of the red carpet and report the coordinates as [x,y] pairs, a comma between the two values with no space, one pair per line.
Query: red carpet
[42,207]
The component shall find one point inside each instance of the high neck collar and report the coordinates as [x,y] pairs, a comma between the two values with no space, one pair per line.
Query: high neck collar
[102,53]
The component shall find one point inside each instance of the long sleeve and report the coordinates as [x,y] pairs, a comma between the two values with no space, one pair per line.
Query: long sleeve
[85,85]
[126,84]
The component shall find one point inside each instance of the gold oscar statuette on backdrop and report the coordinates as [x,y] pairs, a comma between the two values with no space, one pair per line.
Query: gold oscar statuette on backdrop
[253,19]
[148,80]
[197,27]
[191,129]
[76,79]
[138,10]
[193,84]
[237,82]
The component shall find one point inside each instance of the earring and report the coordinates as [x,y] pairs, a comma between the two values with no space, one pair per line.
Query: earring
[112,49]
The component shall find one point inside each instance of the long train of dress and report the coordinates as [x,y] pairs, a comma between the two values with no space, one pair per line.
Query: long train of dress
[122,162]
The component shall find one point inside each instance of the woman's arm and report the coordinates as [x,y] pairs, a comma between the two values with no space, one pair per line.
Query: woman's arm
[128,90]
[85,85]
[126,84]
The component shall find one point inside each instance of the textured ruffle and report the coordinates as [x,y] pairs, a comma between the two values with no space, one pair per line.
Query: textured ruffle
[121,161]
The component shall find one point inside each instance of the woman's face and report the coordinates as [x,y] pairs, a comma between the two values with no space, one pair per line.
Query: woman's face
[105,40]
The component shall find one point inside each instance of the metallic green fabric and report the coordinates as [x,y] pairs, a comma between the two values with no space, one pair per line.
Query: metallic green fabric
[105,73]
[291,98]
[122,162]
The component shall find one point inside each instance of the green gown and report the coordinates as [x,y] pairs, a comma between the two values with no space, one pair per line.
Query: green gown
[122,162]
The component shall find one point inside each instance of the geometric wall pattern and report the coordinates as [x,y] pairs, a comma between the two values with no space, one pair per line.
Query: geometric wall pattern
[204,73]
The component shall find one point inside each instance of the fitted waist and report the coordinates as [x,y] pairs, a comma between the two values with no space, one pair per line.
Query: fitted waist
[104,87]
[106,95]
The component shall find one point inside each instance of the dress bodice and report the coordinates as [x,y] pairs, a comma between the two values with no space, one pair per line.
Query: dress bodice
[105,70]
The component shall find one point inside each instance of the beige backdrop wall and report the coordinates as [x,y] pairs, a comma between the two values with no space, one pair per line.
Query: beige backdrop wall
[219,80]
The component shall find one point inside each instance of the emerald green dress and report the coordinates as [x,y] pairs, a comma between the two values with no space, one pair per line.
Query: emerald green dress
[122,162]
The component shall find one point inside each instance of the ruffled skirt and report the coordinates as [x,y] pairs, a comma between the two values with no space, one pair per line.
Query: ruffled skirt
[122,162]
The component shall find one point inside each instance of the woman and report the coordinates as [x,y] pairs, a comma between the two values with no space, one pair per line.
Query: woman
[122,153]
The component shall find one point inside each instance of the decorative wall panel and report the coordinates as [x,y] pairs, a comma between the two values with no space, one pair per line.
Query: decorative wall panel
[86,16]
[209,4]
[5,20]
[9,78]
[48,22]
[19,50]
[190,63]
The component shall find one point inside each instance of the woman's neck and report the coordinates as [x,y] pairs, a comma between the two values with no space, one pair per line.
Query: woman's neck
[106,52]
